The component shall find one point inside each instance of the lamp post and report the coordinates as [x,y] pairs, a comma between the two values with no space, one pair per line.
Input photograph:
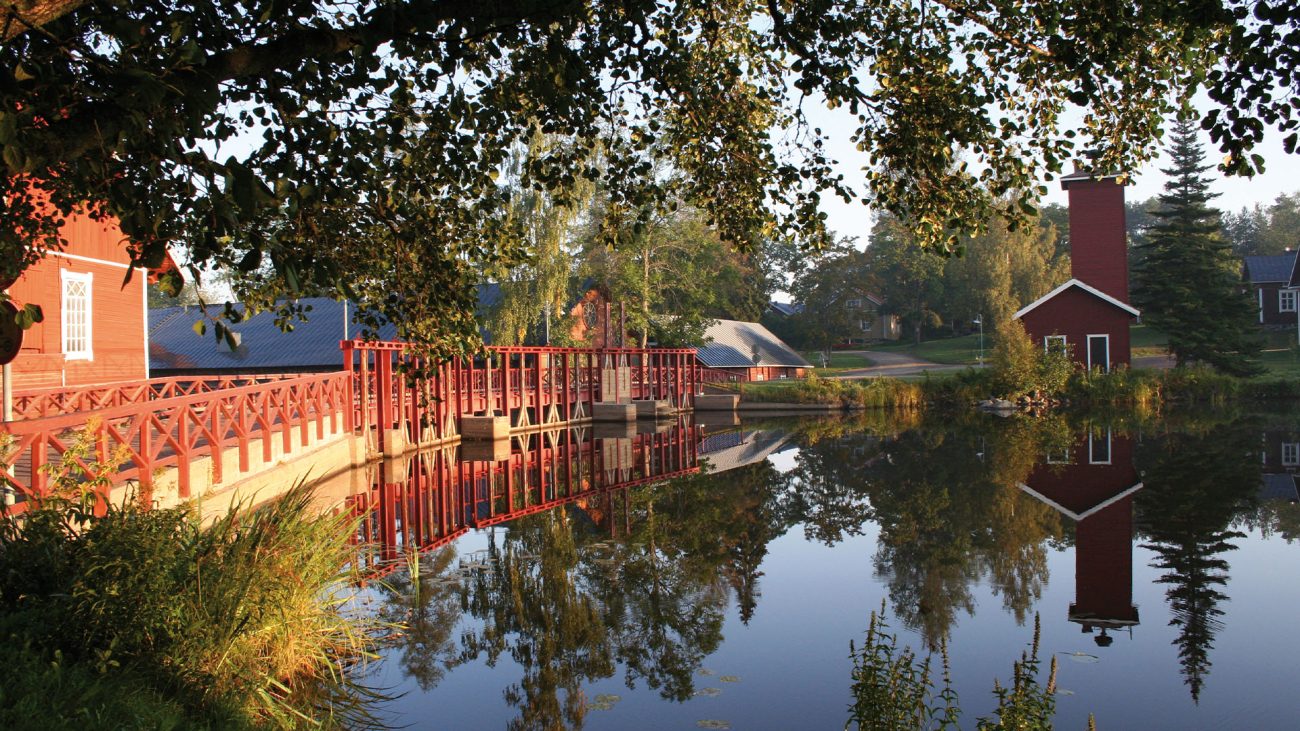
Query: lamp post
[979,320]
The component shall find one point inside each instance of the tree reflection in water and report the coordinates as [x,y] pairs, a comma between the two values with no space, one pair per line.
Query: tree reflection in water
[1197,484]
[638,580]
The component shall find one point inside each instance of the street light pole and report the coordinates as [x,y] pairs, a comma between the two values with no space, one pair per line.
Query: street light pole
[979,320]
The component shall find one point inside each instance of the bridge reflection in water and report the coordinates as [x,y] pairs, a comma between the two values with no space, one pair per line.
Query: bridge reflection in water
[426,501]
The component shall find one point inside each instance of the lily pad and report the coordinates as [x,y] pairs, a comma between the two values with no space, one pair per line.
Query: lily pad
[709,692]
[713,723]
[705,671]
[604,702]
[730,678]
[1063,691]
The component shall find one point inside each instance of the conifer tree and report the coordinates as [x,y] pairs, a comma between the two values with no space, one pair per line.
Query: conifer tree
[1187,283]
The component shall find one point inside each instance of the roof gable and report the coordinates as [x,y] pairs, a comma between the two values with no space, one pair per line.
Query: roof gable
[1090,290]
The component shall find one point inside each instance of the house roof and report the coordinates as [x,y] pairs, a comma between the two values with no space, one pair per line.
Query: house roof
[314,344]
[789,309]
[733,344]
[1076,283]
[1261,269]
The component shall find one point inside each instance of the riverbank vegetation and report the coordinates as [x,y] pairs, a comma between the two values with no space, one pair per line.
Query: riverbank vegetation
[121,616]
[893,689]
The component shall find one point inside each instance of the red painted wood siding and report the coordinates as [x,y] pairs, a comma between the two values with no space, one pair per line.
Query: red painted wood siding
[1077,314]
[117,312]
[1098,239]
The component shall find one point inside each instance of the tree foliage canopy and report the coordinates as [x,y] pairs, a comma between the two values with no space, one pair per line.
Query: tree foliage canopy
[1187,279]
[354,148]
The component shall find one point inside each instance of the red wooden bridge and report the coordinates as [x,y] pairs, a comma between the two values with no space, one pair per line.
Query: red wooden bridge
[214,430]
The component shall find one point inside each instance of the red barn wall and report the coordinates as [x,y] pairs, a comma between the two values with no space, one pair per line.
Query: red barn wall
[1098,238]
[117,312]
[1076,314]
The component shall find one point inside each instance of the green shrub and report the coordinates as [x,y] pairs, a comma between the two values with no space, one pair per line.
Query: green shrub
[244,616]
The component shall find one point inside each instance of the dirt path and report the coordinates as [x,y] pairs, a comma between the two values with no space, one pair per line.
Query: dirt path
[895,364]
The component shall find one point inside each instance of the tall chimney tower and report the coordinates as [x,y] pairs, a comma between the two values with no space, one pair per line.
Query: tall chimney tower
[1098,236]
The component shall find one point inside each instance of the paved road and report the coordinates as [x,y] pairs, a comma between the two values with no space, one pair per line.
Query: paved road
[895,364]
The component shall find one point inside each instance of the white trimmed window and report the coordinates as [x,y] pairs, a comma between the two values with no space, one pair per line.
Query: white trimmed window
[854,304]
[76,315]
[1055,344]
[1291,454]
[1286,300]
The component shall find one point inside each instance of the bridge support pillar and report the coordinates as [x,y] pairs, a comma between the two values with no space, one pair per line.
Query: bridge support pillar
[653,408]
[716,402]
[484,427]
[613,412]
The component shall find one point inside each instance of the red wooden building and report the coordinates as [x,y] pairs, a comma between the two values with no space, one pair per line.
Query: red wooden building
[1093,483]
[94,320]
[1089,316]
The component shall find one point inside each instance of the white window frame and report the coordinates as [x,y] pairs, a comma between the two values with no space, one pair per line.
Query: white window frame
[854,304]
[865,325]
[1047,343]
[1291,454]
[1106,365]
[1093,439]
[67,278]
[1286,297]
[1062,457]
[1260,291]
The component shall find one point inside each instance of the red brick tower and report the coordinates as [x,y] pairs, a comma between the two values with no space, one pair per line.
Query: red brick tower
[1098,241]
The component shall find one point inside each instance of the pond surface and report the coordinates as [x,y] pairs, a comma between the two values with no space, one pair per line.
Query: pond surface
[695,576]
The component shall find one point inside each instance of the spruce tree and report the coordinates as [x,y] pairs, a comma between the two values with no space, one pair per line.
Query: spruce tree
[1187,284]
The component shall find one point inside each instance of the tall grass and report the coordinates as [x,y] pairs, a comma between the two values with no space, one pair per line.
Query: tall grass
[875,393]
[240,623]
[895,690]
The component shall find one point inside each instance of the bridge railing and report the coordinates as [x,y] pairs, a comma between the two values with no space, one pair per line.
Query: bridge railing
[393,388]
[41,402]
[176,431]
[718,375]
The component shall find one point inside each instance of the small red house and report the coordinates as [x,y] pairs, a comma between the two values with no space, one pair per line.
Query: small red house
[1093,483]
[1089,316]
[1089,324]
[94,322]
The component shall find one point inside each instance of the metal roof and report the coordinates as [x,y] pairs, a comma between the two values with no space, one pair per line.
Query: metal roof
[788,309]
[1260,269]
[311,345]
[733,344]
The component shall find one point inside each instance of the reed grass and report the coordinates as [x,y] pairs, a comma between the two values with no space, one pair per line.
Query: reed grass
[239,623]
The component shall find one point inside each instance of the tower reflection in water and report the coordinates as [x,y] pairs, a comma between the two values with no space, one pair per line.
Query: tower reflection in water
[1093,482]
[428,500]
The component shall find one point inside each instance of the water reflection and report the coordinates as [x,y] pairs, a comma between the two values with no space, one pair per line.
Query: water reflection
[1092,482]
[622,554]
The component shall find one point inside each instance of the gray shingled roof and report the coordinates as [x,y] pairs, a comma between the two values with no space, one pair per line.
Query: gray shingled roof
[732,344]
[789,309]
[1259,269]
[311,345]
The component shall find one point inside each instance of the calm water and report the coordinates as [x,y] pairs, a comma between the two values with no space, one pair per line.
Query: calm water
[569,585]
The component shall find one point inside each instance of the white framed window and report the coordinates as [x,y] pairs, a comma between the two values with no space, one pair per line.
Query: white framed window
[1290,454]
[864,325]
[1061,457]
[854,304]
[1055,344]
[1099,352]
[76,314]
[1099,448]
[1286,300]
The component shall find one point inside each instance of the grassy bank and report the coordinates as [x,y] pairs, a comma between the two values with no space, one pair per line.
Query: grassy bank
[872,393]
[1142,388]
[839,362]
[962,350]
[139,618]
